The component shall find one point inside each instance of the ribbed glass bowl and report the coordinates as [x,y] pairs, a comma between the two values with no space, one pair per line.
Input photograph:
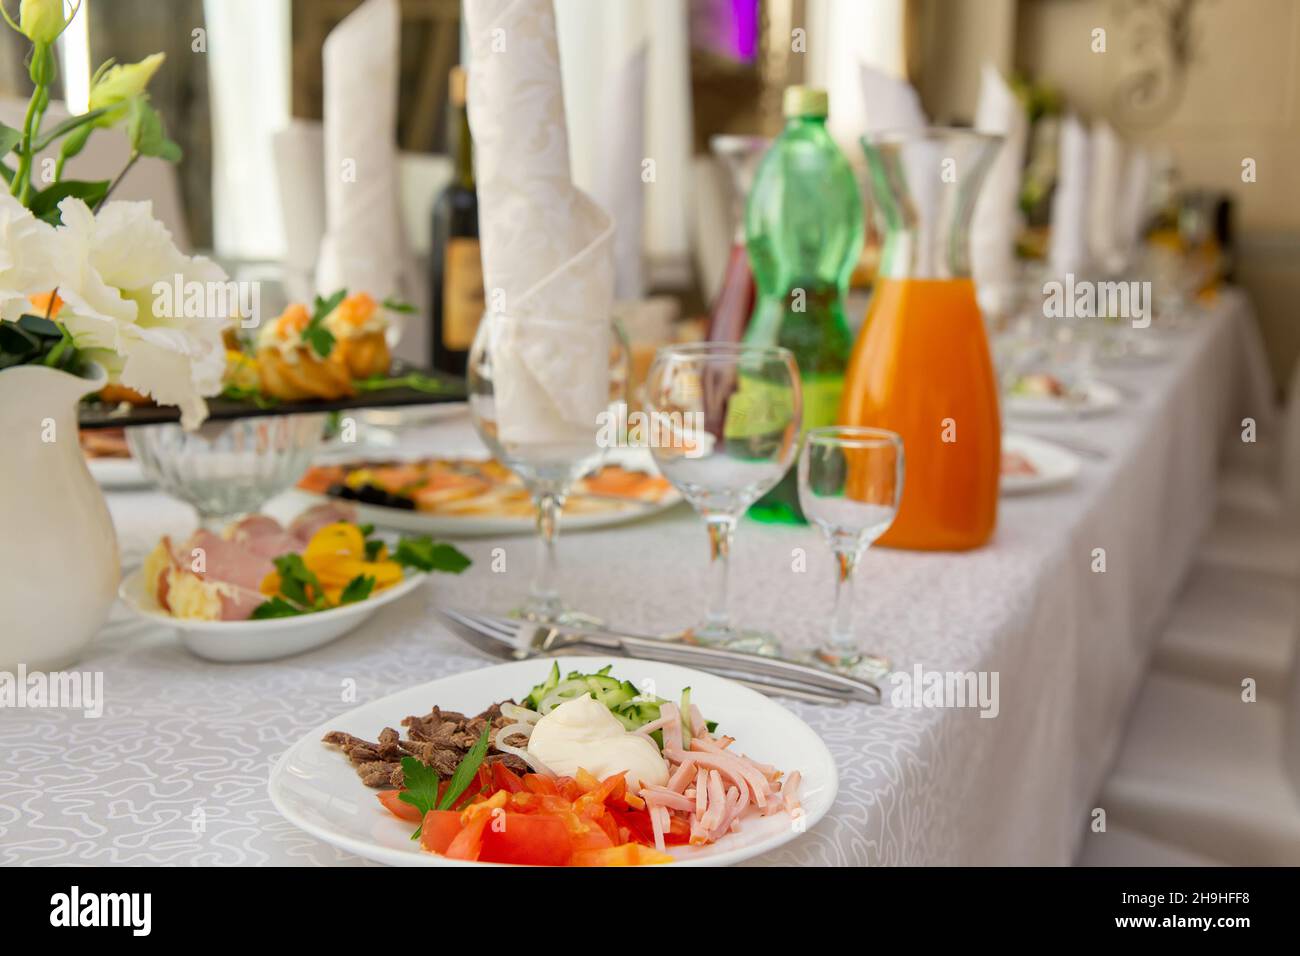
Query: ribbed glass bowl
[229,468]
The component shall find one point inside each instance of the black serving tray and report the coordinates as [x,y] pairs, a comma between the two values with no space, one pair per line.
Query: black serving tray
[94,414]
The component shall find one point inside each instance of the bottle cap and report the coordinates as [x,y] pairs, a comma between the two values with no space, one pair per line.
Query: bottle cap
[805,101]
[456,84]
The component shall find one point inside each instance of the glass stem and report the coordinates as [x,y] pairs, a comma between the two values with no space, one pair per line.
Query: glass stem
[721,530]
[846,561]
[544,594]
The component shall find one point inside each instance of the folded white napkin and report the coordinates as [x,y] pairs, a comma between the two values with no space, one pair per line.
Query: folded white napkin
[1105,195]
[997,220]
[363,249]
[1136,202]
[890,103]
[618,186]
[1069,248]
[547,247]
[299,168]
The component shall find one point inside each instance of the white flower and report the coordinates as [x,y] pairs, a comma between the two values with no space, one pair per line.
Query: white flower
[31,257]
[113,259]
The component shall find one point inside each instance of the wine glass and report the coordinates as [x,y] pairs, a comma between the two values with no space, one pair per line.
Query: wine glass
[724,429]
[543,395]
[850,483]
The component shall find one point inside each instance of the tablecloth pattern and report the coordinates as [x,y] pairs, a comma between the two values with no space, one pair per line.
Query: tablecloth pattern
[175,771]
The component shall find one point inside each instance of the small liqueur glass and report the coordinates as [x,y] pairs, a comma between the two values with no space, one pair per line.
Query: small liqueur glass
[850,484]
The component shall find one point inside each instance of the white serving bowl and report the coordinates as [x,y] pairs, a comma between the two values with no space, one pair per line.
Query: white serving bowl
[250,641]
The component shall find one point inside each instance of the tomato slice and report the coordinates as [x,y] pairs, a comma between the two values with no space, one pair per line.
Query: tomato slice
[628,854]
[528,839]
[439,829]
[540,784]
[469,841]
[394,804]
[503,778]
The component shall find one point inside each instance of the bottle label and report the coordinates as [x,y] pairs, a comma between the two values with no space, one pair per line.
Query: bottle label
[462,293]
[821,400]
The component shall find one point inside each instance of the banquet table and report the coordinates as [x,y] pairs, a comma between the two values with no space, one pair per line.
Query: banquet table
[175,770]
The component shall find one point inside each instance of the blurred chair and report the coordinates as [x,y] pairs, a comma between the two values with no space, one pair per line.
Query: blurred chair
[104,157]
[1258,523]
[1204,775]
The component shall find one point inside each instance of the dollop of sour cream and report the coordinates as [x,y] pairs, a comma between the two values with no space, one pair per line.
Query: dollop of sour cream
[583,733]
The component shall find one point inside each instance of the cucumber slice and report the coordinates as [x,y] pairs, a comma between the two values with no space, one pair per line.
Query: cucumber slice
[535,696]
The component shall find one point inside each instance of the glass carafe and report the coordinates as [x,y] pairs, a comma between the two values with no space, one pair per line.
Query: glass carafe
[921,366]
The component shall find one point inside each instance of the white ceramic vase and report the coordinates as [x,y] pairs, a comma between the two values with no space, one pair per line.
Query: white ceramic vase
[59,565]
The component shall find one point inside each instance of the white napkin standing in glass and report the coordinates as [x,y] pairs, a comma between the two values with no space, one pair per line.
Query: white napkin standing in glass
[1069,245]
[892,104]
[618,186]
[1136,203]
[363,248]
[547,247]
[996,222]
[1104,196]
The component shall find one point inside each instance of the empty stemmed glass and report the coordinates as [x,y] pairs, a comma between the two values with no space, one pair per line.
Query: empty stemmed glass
[724,428]
[850,483]
[543,393]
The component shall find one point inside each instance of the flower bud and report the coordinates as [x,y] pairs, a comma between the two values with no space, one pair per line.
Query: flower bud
[41,20]
[123,81]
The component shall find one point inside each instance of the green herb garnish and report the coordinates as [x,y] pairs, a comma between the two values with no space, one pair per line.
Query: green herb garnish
[358,589]
[316,334]
[415,381]
[467,767]
[420,788]
[425,554]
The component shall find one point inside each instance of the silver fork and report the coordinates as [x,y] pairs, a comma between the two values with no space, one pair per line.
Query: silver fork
[523,639]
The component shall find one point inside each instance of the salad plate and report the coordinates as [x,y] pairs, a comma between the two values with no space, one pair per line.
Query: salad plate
[1030,465]
[315,788]
[261,640]
[1095,398]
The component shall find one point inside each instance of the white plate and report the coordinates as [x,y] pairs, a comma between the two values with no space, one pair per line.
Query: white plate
[117,474]
[474,526]
[1054,465]
[248,641]
[317,789]
[1098,399]
[1133,348]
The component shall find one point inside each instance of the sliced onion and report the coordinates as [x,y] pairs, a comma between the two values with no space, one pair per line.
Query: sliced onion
[516,712]
[509,730]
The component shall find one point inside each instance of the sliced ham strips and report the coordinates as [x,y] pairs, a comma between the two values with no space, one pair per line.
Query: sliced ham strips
[263,535]
[313,519]
[226,562]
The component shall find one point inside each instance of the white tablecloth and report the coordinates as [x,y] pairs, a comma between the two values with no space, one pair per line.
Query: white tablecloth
[175,770]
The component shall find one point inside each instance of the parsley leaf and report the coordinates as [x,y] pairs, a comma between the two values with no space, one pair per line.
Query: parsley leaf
[316,334]
[275,607]
[297,582]
[425,554]
[420,785]
[358,589]
[397,305]
[373,547]
[466,769]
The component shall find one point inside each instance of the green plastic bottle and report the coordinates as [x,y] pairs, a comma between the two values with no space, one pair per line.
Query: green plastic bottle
[803,230]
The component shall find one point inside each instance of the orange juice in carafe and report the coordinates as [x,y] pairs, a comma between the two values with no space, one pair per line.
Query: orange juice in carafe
[921,366]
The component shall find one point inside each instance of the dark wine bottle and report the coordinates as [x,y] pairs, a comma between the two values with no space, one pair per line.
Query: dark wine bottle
[456,295]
